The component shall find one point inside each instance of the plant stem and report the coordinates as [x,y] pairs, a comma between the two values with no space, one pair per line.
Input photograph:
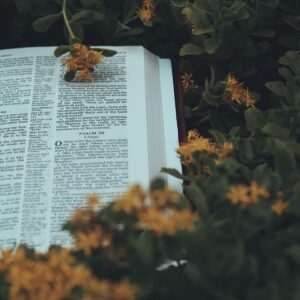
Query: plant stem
[71,33]
[129,20]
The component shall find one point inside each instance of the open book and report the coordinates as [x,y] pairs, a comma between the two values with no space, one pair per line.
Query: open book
[61,141]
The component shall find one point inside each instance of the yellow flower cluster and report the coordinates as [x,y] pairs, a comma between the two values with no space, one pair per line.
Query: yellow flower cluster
[131,201]
[83,60]
[279,206]
[159,215]
[89,236]
[238,93]
[56,276]
[146,12]
[166,222]
[246,195]
[187,82]
[195,142]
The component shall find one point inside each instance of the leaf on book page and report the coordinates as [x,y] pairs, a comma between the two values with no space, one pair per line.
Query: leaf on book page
[105,52]
[60,50]
[69,76]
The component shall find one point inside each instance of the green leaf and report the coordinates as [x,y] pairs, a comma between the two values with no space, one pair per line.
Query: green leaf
[60,50]
[291,59]
[87,16]
[23,6]
[180,3]
[216,121]
[294,253]
[191,49]
[284,160]
[105,52]
[129,10]
[78,31]
[276,131]
[203,29]
[197,197]
[213,44]
[203,5]
[157,184]
[254,119]
[69,76]
[44,23]
[173,172]
[200,23]
[266,32]
[130,32]
[277,87]
[217,135]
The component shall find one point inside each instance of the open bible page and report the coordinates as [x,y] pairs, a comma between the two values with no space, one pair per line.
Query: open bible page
[16,95]
[100,136]
[62,141]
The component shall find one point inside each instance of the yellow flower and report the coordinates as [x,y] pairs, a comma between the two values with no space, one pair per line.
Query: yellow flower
[257,192]
[238,93]
[131,201]
[124,291]
[83,60]
[161,198]
[92,201]
[195,142]
[246,195]
[146,12]
[6,259]
[166,222]
[193,135]
[187,82]
[55,275]
[279,206]
[225,150]
[238,194]
[89,240]
[81,216]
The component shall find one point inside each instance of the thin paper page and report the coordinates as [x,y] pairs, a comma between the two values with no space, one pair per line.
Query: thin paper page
[169,120]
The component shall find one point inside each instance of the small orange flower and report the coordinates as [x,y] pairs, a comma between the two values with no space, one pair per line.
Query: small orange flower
[89,240]
[166,222]
[83,60]
[187,82]
[195,142]
[237,92]
[279,206]
[146,12]
[246,195]
[131,201]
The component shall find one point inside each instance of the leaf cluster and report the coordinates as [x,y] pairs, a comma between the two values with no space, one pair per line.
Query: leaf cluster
[251,252]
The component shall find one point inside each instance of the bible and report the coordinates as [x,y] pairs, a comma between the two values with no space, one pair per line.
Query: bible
[61,141]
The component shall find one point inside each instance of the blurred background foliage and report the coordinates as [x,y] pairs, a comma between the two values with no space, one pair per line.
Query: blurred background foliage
[208,39]
[239,67]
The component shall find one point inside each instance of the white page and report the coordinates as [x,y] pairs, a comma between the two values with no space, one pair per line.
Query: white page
[59,145]
[106,152]
[16,79]
[171,141]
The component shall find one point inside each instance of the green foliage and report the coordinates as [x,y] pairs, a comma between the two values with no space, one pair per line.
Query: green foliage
[236,252]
